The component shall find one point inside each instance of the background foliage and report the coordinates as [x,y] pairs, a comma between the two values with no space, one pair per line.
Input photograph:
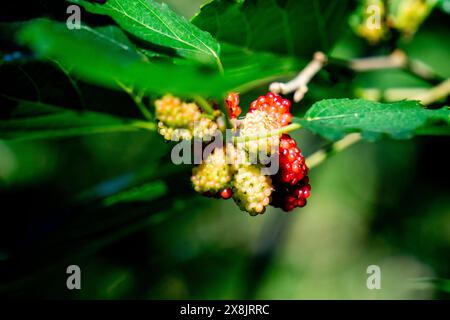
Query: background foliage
[86,180]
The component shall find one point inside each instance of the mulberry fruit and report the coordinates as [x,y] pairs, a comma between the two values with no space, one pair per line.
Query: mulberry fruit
[233,105]
[213,175]
[259,126]
[291,182]
[226,193]
[182,120]
[174,134]
[292,164]
[288,197]
[205,128]
[251,189]
[237,156]
[175,113]
[274,105]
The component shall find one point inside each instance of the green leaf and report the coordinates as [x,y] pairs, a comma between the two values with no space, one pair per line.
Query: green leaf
[156,23]
[256,68]
[294,27]
[112,35]
[146,192]
[29,121]
[101,63]
[334,118]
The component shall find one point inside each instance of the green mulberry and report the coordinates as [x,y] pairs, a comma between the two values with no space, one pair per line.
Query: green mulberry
[251,189]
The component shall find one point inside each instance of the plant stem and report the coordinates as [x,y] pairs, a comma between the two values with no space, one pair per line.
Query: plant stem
[220,66]
[396,60]
[321,155]
[144,125]
[436,93]
[299,85]
[206,107]
[137,98]
[389,94]
[288,128]
[225,115]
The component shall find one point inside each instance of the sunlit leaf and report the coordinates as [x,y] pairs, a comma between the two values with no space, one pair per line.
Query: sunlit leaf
[334,118]
[101,63]
[156,23]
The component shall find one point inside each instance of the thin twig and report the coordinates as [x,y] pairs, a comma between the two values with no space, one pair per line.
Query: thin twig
[319,156]
[396,60]
[299,85]
[436,93]
[137,98]
[389,94]
[288,128]
[206,107]
[72,82]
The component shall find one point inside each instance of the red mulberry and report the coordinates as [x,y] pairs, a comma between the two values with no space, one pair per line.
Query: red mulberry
[288,197]
[275,106]
[292,164]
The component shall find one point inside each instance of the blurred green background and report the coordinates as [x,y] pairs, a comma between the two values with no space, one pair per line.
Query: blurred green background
[384,203]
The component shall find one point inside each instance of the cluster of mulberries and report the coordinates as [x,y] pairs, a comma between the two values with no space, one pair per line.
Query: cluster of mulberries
[230,171]
[222,175]
[179,120]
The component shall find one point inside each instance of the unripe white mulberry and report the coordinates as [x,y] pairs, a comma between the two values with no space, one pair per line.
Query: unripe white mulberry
[174,134]
[175,113]
[262,124]
[251,189]
[180,120]
[205,128]
[213,175]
